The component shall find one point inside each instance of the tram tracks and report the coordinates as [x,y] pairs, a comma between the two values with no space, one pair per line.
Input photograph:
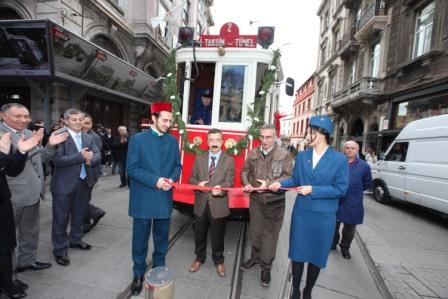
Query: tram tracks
[237,274]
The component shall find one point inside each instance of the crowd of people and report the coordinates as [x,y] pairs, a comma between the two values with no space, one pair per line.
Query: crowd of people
[77,153]
[329,187]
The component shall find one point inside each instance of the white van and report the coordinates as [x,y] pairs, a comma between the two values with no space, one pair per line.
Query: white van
[415,166]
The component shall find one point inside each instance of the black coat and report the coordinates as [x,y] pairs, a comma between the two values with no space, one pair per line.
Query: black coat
[11,165]
[121,149]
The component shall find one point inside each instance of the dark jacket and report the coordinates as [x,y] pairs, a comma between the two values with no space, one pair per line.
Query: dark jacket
[11,165]
[67,165]
[121,149]
[276,166]
[351,208]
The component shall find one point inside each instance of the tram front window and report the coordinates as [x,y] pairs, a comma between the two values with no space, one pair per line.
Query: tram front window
[231,99]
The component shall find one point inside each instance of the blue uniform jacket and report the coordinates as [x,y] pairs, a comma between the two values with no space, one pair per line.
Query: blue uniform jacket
[201,112]
[149,158]
[351,209]
[329,180]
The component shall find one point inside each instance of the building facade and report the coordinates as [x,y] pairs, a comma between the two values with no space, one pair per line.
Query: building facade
[286,129]
[302,107]
[124,29]
[390,67]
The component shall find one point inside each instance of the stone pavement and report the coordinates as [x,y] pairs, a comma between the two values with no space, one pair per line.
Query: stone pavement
[102,272]
[409,247]
[106,270]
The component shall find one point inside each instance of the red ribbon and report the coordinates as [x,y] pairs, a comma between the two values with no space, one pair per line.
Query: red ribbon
[179,186]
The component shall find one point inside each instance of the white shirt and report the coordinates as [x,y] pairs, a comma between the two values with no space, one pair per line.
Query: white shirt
[317,157]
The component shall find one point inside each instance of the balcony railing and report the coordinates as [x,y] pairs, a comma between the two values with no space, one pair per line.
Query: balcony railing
[373,19]
[363,88]
[347,45]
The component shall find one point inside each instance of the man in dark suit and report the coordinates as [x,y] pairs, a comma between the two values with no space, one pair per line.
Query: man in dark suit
[72,178]
[216,169]
[92,214]
[120,144]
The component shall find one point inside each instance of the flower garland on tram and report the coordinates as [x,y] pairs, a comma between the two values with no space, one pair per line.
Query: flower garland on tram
[255,114]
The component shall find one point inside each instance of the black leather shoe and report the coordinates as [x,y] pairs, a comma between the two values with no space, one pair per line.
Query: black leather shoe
[97,219]
[62,260]
[248,264]
[137,285]
[265,277]
[16,293]
[36,266]
[122,186]
[345,253]
[81,245]
[333,247]
[20,284]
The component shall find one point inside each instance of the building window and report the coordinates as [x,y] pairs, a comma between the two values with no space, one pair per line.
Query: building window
[119,3]
[352,73]
[320,87]
[323,54]
[199,29]
[186,13]
[408,111]
[326,20]
[332,85]
[375,60]
[423,30]
[201,8]
[163,28]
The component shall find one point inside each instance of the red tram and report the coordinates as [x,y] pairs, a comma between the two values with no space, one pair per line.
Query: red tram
[231,68]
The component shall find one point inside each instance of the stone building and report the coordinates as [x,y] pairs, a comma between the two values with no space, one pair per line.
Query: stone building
[115,89]
[390,67]
[302,107]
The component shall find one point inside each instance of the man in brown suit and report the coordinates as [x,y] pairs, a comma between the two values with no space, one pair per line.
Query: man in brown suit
[214,168]
[265,165]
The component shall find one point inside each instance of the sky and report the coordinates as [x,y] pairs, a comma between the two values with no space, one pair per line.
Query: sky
[296,32]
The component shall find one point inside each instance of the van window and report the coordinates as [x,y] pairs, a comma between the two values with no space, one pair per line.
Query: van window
[398,152]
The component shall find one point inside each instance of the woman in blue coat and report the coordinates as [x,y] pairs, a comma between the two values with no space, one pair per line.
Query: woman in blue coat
[321,175]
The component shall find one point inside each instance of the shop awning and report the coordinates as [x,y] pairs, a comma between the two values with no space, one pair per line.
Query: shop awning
[42,50]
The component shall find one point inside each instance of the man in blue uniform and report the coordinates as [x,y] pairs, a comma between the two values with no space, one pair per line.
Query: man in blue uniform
[153,164]
[202,114]
[351,209]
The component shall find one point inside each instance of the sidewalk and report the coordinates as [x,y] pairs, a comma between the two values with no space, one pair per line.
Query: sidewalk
[106,270]
[102,272]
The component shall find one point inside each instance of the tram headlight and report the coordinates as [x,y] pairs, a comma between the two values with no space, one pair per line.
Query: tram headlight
[265,36]
[186,35]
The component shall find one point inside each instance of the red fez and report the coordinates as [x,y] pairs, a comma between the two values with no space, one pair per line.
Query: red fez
[161,106]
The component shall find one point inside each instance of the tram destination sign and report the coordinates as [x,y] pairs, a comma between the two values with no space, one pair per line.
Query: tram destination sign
[229,36]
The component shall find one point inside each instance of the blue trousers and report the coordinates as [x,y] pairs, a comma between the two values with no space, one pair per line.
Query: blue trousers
[140,238]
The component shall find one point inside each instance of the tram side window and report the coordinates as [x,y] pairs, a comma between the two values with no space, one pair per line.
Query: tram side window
[398,152]
[232,90]
[201,95]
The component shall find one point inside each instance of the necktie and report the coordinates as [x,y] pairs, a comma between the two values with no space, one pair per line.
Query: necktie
[78,142]
[211,170]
